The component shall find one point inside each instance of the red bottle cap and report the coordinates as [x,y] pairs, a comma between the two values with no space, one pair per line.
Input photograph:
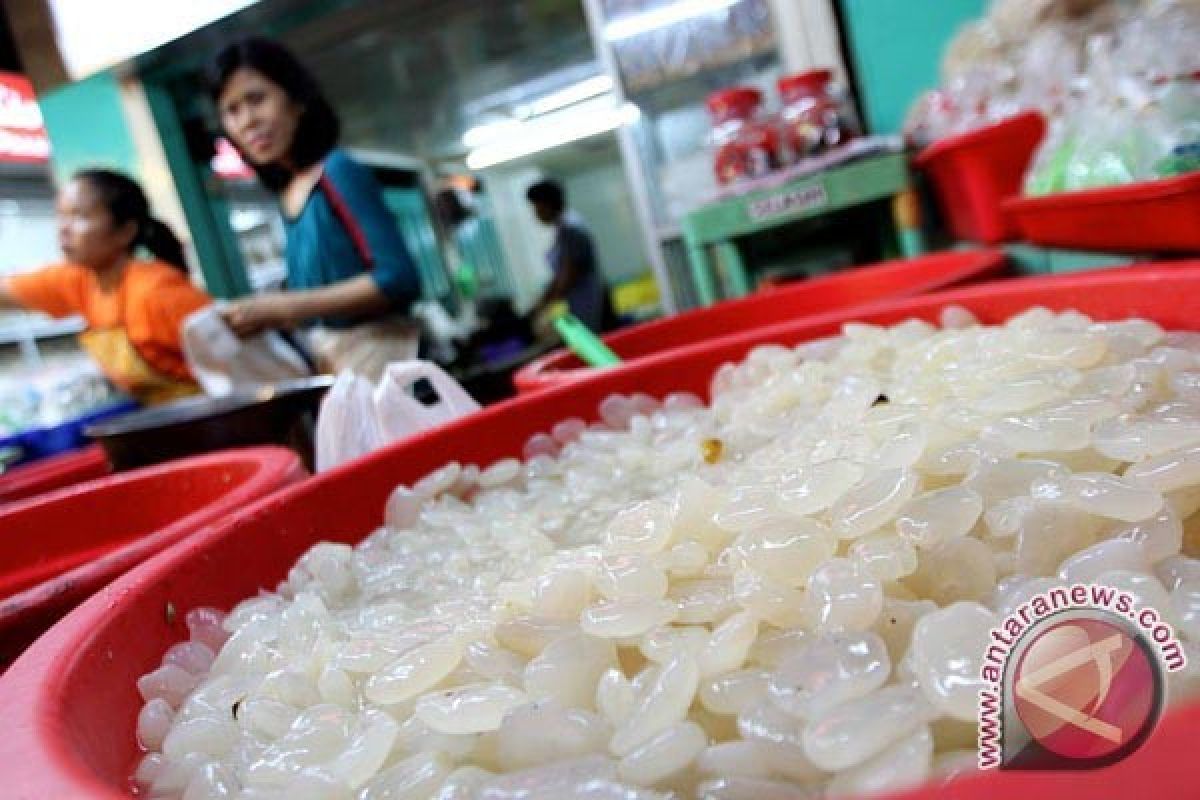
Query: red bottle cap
[804,84]
[738,102]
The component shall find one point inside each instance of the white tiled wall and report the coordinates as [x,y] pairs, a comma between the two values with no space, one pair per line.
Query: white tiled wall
[28,240]
[28,232]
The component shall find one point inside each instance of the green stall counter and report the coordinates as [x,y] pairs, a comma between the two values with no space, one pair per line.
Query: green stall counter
[712,230]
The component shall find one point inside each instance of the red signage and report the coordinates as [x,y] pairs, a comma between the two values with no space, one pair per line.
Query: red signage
[22,133]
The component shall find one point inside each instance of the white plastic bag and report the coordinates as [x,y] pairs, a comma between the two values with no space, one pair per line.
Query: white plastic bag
[357,417]
[221,362]
[347,425]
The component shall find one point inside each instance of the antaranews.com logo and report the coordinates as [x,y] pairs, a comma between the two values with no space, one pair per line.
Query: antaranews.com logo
[1074,680]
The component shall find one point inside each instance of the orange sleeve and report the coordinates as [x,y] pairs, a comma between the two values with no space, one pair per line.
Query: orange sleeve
[57,291]
[160,299]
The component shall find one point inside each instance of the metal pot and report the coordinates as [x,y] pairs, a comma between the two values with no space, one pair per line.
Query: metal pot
[284,413]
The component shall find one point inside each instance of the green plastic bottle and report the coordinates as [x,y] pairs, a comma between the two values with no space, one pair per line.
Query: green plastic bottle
[585,344]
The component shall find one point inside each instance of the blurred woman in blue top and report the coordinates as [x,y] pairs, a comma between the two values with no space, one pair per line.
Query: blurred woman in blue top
[350,279]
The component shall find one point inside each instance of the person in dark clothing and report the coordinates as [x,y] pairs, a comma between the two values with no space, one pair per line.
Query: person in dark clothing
[576,278]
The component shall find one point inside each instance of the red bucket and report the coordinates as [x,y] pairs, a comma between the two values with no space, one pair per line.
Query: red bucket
[52,473]
[973,173]
[901,278]
[61,547]
[71,703]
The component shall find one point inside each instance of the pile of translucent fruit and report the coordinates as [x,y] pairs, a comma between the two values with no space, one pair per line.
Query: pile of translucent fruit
[784,593]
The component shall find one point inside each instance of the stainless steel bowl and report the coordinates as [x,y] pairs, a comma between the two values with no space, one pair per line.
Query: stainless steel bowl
[284,414]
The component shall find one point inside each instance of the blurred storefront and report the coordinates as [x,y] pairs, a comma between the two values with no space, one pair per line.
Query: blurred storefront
[28,231]
[606,96]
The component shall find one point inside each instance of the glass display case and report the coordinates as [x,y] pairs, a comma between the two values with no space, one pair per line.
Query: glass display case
[668,56]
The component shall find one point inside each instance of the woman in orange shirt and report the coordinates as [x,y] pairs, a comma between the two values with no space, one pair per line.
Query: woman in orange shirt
[134,308]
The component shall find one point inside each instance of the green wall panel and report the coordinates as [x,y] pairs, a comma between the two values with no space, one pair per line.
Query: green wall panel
[207,212]
[896,47]
[87,127]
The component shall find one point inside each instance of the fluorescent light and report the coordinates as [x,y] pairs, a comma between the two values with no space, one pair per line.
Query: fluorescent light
[569,96]
[488,131]
[552,130]
[646,21]
[577,92]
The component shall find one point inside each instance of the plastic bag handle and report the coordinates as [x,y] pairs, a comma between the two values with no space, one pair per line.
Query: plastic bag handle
[401,414]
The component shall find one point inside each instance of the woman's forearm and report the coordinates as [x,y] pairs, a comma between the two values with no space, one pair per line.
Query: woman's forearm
[359,296]
[356,297]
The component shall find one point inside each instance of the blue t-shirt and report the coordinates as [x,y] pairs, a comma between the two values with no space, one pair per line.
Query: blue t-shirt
[344,230]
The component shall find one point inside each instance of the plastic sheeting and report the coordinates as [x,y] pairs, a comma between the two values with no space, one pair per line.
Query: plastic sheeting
[697,35]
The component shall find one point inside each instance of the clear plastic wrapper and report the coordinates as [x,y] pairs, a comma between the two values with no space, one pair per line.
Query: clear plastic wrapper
[1115,78]
[650,54]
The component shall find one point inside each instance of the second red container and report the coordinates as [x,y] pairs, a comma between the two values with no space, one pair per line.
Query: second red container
[57,549]
[55,472]
[1149,217]
[855,286]
[973,174]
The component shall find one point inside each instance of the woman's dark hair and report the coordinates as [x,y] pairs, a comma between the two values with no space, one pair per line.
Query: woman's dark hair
[126,202]
[318,127]
[549,194]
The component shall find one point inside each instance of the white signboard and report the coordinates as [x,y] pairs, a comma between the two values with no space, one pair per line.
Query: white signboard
[96,34]
[793,201]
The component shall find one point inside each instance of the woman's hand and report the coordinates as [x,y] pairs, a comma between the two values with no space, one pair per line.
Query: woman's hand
[259,313]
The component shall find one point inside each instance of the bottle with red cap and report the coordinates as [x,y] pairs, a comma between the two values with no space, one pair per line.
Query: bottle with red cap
[746,145]
[814,117]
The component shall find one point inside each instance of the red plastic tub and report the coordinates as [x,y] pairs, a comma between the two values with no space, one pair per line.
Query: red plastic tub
[70,702]
[974,172]
[901,278]
[57,549]
[1151,217]
[55,472]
